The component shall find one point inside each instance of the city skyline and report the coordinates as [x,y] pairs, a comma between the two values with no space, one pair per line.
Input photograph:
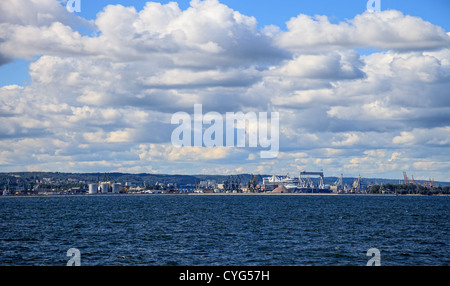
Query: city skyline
[357,92]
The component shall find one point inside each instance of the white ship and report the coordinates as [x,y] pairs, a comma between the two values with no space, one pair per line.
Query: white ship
[301,184]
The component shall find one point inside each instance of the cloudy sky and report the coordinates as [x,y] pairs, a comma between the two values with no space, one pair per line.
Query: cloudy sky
[357,92]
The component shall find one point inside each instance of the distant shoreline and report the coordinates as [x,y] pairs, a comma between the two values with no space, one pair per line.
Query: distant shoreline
[222,194]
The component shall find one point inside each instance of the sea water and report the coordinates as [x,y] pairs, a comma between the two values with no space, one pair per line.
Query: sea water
[225,230]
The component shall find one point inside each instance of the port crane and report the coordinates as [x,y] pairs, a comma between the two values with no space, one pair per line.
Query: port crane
[252,185]
[232,183]
[411,181]
[357,184]
[339,184]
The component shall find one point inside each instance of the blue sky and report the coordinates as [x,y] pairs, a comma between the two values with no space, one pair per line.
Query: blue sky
[357,92]
[270,12]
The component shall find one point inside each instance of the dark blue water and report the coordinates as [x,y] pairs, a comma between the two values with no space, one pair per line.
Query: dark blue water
[243,230]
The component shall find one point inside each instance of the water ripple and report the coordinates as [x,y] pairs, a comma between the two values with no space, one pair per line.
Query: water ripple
[224,230]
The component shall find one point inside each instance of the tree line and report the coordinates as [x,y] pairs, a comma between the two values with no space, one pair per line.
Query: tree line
[409,189]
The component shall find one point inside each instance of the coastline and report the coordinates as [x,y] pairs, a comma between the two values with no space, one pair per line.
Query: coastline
[223,194]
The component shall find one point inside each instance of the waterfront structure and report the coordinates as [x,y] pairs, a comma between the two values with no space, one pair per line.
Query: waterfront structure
[104,188]
[93,188]
[296,185]
[281,189]
[271,183]
[115,188]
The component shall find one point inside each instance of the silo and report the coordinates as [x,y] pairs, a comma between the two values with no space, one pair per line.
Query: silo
[115,188]
[93,188]
[104,187]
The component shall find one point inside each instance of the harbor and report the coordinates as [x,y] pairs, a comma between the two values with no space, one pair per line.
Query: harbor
[307,182]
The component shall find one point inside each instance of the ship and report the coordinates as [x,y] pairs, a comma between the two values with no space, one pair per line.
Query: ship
[301,184]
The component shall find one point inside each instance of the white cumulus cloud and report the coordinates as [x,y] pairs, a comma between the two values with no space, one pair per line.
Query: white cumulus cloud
[103,99]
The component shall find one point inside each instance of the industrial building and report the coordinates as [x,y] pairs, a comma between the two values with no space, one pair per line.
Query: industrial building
[104,188]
